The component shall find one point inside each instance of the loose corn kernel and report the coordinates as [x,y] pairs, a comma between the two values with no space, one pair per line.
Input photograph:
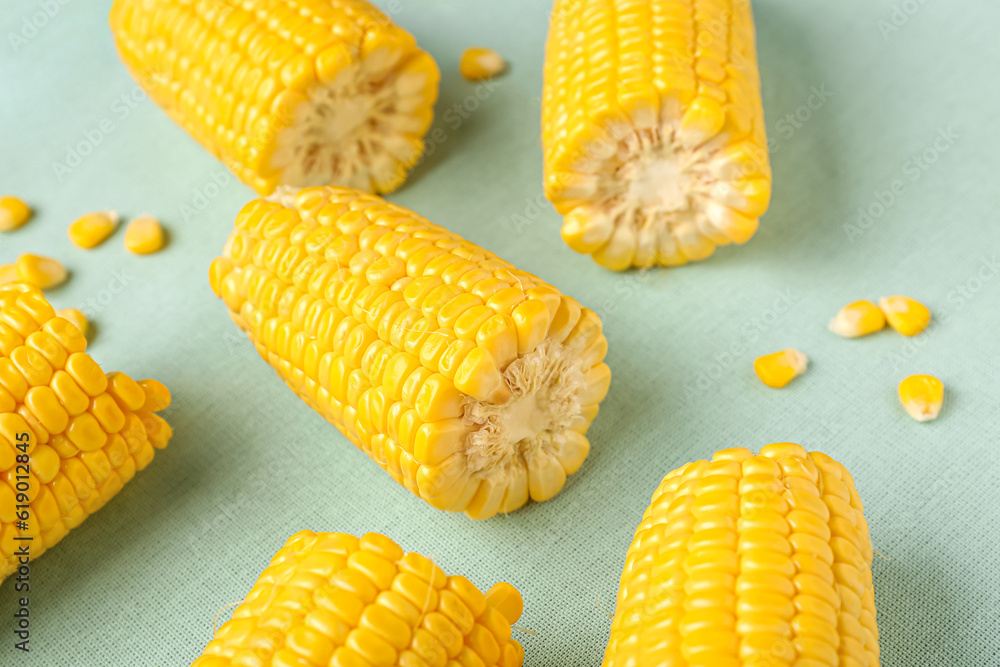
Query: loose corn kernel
[779,368]
[749,561]
[922,396]
[8,273]
[334,599]
[87,432]
[43,272]
[13,213]
[905,315]
[92,229]
[144,235]
[478,63]
[858,319]
[76,317]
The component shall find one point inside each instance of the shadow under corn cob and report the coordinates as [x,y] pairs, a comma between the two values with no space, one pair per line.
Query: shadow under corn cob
[471,382]
[70,435]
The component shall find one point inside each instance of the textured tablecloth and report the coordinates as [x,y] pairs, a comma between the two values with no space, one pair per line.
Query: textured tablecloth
[862,97]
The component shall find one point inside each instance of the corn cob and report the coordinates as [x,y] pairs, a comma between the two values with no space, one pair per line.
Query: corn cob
[334,599]
[76,434]
[296,92]
[653,129]
[747,561]
[471,382]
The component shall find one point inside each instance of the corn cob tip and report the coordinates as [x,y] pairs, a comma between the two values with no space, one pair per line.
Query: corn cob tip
[471,382]
[747,560]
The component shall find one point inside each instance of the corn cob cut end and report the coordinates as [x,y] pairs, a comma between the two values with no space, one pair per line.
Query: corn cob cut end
[655,150]
[470,382]
[86,432]
[749,560]
[363,602]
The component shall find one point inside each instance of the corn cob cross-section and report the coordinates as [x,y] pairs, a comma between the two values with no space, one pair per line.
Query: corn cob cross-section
[70,435]
[294,92]
[653,129]
[745,561]
[471,382]
[334,600]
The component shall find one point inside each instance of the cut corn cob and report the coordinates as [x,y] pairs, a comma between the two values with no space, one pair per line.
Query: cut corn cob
[330,599]
[653,129]
[907,316]
[478,63]
[43,272]
[922,396]
[92,229]
[748,561]
[779,368]
[82,433]
[144,235]
[13,213]
[858,319]
[304,92]
[471,382]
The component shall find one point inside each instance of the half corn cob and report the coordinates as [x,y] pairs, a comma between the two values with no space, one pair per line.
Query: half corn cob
[653,129]
[749,560]
[330,599]
[297,92]
[471,382]
[70,436]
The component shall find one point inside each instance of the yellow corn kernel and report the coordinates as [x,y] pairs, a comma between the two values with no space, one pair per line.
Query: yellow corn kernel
[13,213]
[144,235]
[359,602]
[470,382]
[922,396]
[858,319]
[87,432]
[905,315]
[8,273]
[77,318]
[92,229]
[43,272]
[779,368]
[653,129]
[316,92]
[478,63]
[747,561]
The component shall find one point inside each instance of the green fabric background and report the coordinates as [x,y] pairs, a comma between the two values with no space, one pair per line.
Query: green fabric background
[139,583]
